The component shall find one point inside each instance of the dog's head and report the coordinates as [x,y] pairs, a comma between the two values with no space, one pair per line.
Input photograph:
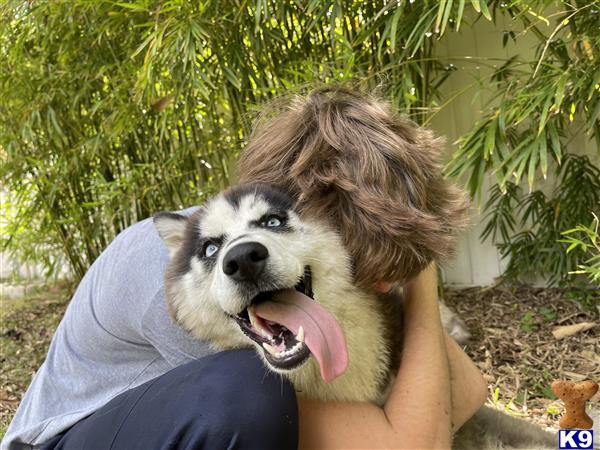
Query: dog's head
[246,266]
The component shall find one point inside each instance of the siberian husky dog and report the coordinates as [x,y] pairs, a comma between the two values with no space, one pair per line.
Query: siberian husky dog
[246,269]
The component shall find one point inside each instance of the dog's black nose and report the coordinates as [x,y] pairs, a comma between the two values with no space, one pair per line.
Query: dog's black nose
[246,261]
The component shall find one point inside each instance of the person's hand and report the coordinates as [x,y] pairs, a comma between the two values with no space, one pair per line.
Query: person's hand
[426,279]
[421,300]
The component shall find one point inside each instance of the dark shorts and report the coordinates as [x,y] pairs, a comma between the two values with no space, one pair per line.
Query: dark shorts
[224,401]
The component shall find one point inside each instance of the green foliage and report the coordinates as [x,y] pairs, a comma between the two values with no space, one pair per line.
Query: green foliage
[533,319]
[535,103]
[528,226]
[528,322]
[113,110]
[585,238]
[542,388]
[588,299]
[536,107]
[548,314]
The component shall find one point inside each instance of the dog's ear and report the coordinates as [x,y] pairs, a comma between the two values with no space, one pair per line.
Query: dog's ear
[171,229]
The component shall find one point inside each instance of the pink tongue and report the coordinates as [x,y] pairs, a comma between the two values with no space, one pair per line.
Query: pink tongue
[323,335]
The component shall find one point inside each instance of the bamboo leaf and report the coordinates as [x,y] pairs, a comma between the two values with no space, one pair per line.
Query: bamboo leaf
[555,141]
[560,91]
[543,156]
[143,45]
[595,114]
[484,9]
[520,169]
[132,6]
[511,165]
[259,10]
[441,10]
[54,122]
[446,16]
[394,27]
[544,115]
[459,14]
[490,140]
[231,77]
[533,160]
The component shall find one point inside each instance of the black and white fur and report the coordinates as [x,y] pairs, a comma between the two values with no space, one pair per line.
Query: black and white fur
[206,299]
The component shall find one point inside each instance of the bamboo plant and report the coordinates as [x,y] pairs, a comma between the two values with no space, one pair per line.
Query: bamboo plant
[113,110]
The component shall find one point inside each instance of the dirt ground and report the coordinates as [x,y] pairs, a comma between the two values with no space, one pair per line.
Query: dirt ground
[514,347]
[511,328]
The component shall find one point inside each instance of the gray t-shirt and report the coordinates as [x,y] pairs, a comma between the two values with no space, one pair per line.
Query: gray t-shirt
[116,334]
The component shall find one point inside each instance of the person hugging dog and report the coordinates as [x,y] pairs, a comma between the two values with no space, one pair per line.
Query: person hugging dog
[121,374]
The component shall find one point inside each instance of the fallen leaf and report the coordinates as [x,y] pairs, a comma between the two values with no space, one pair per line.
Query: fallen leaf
[573,375]
[569,330]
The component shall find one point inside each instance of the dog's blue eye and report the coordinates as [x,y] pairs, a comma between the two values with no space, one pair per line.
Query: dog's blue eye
[210,250]
[273,221]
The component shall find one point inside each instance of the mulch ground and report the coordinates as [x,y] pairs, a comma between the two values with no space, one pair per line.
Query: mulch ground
[26,327]
[514,347]
[512,343]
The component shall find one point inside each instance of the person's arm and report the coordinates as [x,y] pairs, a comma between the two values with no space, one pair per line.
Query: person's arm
[468,388]
[418,411]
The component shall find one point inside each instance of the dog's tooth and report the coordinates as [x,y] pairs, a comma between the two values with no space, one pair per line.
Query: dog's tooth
[252,317]
[255,322]
[272,350]
[300,335]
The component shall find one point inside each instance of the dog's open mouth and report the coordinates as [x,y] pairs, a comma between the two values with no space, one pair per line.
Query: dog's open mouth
[283,348]
[290,326]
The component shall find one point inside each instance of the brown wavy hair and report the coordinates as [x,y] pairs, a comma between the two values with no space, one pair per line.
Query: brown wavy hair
[346,157]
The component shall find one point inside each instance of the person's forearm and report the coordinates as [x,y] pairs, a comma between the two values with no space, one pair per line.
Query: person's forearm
[423,383]
[468,387]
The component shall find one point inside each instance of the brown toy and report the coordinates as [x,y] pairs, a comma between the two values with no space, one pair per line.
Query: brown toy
[574,396]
